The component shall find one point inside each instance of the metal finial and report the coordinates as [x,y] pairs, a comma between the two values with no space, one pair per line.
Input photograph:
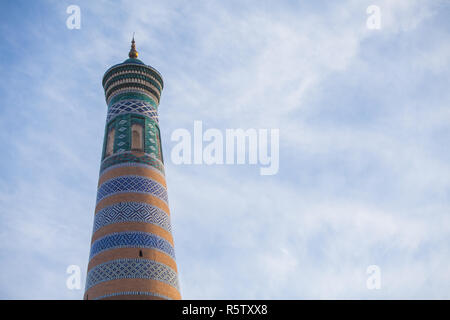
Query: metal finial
[133,52]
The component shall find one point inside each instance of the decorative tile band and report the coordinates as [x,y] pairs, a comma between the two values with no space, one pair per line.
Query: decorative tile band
[133,76]
[131,94]
[136,239]
[133,85]
[126,184]
[131,269]
[132,88]
[129,157]
[137,74]
[132,293]
[132,80]
[131,212]
[132,106]
[125,68]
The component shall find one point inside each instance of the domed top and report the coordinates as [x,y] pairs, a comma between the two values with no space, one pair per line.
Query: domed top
[133,60]
[138,71]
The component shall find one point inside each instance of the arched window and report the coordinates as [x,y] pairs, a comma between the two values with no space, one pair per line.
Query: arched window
[136,138]
[110,142]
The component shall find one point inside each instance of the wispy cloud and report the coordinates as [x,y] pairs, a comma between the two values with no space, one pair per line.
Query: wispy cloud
[363,117]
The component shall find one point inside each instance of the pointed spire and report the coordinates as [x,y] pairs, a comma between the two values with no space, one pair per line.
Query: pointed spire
[133,53]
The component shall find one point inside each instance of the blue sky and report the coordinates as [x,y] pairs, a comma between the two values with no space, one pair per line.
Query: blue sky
[364,119]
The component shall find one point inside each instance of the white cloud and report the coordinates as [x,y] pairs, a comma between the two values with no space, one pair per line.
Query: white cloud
[349,194]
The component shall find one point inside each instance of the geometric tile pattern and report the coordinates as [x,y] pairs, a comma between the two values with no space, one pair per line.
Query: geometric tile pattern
[131,212]
[152,139]
[127,87]
[128,157]
[132,95]
[121,138]
[131,268]
[131,184]
[132,106]
[131,239]
[132,293]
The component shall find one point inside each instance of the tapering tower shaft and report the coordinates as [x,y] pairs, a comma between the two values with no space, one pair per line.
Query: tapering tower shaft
[132,250]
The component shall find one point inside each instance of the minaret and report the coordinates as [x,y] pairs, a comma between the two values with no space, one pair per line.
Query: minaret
[132,251]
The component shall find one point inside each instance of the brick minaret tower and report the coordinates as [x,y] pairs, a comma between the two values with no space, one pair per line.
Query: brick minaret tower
[132,252]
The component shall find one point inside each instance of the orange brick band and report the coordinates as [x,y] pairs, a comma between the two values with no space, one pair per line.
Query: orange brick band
[133,171]
[133,226]
[134,197]
[123,253]
[124,285]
